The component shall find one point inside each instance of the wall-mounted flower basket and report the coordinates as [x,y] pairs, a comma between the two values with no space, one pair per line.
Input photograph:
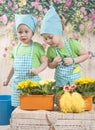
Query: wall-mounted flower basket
[36,102]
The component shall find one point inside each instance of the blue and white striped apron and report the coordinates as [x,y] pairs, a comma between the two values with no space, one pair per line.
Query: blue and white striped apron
[64,73]
[22,66]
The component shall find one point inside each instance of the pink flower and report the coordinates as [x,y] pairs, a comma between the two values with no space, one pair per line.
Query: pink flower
[39,7]
[82,9]
[92,10]
[81,27]
[68,3]
[13,9]
[85,0]
[45,10]
[35,4]
[72,87]
[4,55]
[37,17]
[11,25]
[79,4]
[4,19]
[66,88]
[10,4]
[85,18]
[57,1]
[1,1]
[13,43]
[89,26]
[75,35]
[5,48]
[93,17]
[65,8]
[1,19]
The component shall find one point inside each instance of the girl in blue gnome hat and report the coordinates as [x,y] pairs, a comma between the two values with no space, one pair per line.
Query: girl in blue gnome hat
[29,57]
[64,55]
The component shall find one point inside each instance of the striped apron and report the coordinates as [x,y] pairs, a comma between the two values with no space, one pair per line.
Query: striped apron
[22,65]
[64,73]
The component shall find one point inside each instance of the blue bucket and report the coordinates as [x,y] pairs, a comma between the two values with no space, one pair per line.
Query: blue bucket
[5,109]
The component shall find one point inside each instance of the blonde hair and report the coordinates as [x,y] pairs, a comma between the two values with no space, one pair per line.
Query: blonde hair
[62,20]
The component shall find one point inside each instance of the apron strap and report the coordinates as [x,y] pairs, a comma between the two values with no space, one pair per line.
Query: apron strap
[17,48]
[68,48]
[31,48]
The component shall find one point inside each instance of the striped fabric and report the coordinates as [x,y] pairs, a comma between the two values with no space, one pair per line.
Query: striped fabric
[64,73]
[22,66]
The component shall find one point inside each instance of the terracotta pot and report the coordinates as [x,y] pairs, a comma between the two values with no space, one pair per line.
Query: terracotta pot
[58,102]
[89,102]
[36,102]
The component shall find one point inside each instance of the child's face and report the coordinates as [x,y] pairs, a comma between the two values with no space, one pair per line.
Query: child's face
[25,34]
[51,40]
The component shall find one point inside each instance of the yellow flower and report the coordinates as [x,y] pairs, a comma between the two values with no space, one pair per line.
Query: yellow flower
[81,16]
[85,86]
[78,13]
[32,87]
[22,3]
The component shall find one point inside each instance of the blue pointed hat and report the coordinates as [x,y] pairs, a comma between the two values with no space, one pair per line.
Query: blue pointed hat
[26,19]
[51,23]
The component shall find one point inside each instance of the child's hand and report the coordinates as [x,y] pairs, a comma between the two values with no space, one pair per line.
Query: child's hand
[57,60]
[34,71]
[68,61]
[5,83]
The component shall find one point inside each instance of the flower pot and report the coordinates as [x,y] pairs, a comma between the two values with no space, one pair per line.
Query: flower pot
[36,102]
[89,102]
[58,98]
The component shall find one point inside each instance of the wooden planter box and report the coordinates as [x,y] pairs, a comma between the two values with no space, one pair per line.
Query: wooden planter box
[37,102]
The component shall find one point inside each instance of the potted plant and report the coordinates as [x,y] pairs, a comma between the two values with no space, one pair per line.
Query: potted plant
[70,101]
[36,95]
[86,87]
